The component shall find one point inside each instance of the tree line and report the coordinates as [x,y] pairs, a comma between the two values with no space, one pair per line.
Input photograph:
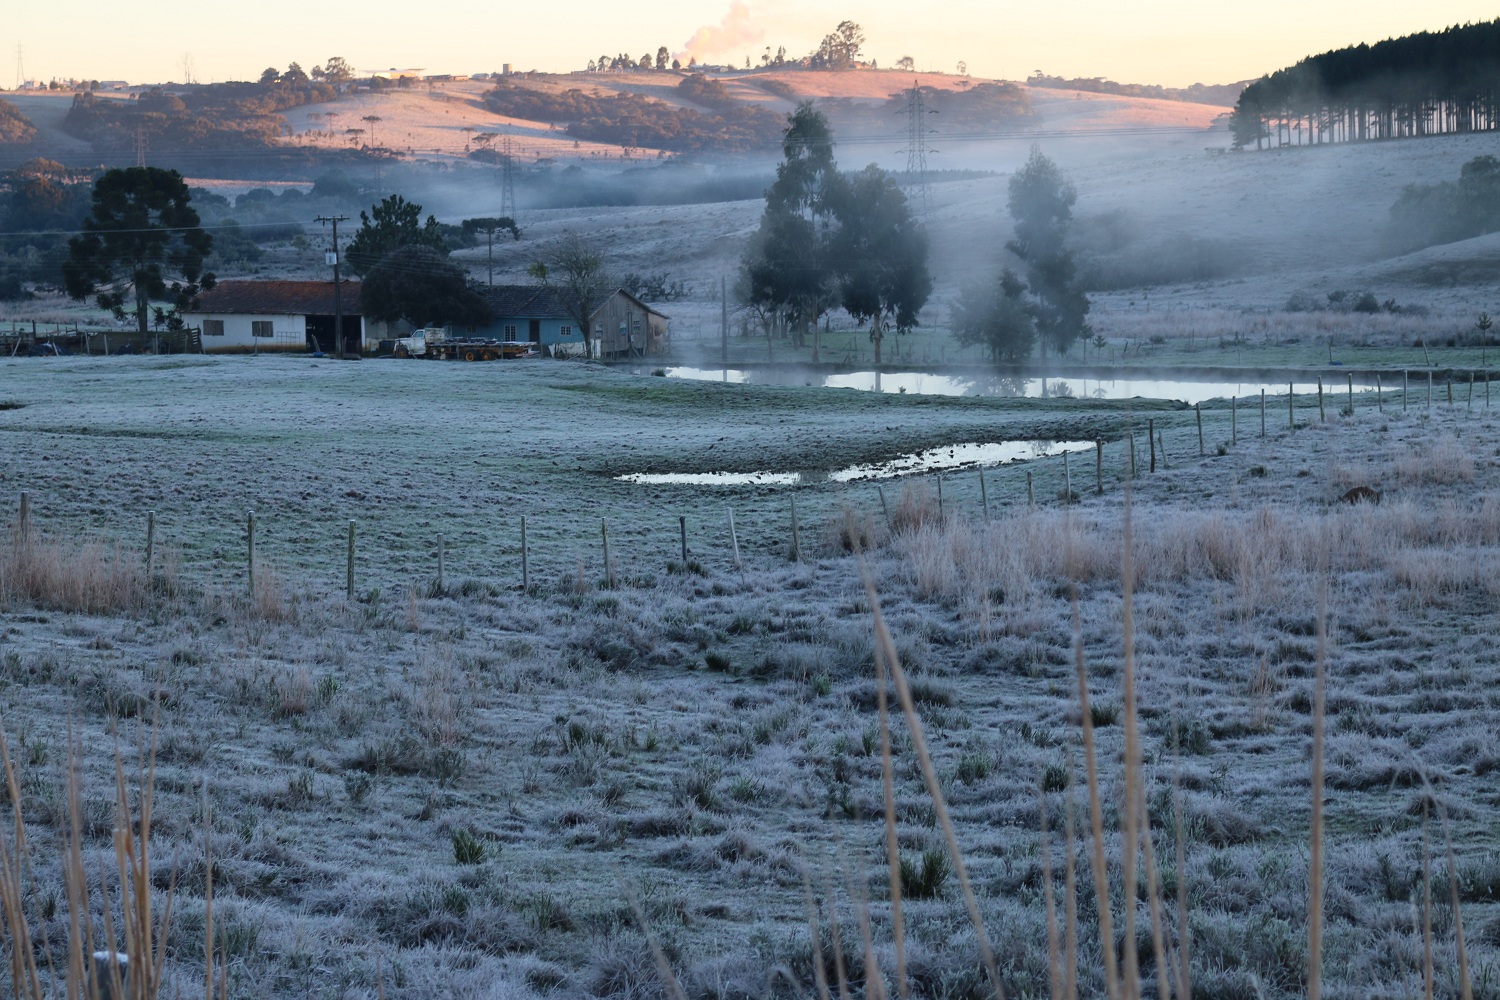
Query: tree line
[1431,83]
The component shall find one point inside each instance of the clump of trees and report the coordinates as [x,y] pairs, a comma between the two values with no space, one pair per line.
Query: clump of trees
[632,120]
[1448,211]
[577,275]
[15,127]
[827,240]
[141,243]
[1049,307]
[1431,83]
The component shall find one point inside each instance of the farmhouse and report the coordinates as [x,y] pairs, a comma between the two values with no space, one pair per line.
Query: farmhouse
[623,326]
[238,316]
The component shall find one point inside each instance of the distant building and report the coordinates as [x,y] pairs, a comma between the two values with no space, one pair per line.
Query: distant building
[241,316]
[623,326]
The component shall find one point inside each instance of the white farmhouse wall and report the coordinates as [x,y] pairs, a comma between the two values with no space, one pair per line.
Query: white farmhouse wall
[287,332]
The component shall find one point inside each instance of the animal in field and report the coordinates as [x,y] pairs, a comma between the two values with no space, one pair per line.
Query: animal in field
[1361,494]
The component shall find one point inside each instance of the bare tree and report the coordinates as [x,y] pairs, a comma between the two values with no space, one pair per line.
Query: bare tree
[576,273]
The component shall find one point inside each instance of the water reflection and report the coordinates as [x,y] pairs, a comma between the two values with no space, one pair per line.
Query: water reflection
[955,456]
[982,383]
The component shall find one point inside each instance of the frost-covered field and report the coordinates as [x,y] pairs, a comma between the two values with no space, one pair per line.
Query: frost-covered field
[467,792]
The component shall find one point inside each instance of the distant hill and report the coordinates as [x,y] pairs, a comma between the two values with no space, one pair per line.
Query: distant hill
[1223,94]
[1431,83]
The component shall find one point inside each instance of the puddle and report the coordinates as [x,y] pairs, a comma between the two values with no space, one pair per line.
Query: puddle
[991,384]
[957,456]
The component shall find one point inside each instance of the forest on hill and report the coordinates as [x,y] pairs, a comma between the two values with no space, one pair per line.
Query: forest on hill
[1224,94]
[207,128]
[632,120]
[1430,83]
[14,126]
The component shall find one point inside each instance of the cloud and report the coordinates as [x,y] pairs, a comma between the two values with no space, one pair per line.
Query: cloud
[738,29]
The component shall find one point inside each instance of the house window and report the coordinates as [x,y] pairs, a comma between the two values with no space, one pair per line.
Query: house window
[566,331]
[510,331]
[261,328]
[213,328]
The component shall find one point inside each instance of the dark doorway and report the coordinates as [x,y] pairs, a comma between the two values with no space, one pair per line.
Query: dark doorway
[320,334]
[535,331]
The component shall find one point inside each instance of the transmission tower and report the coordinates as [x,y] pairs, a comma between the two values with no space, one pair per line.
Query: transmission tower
[507,180]
[20,68]
[917,189]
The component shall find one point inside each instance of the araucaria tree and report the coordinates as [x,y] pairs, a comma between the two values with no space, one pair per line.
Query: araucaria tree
[879,253]
[1041,205]
[140,243]
[576,273]
[418,284]
[390,225]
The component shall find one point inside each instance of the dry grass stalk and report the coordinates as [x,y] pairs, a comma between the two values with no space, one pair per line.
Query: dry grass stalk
[1184,929]
[1096,813]
[1427,976]
[892,844]
[820,975]
[1153,899]
[663,967]
[1315,859]
[1070,901]
[1134,767]
[1054,944]
[13,866]
[1465,984]
[887,647]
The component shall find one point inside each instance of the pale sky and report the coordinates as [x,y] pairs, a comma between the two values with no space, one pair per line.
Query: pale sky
[1168,42]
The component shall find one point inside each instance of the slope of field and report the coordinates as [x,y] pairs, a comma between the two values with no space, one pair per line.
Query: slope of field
[473,791]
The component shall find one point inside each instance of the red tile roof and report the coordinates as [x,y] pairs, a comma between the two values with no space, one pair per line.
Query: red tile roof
[277,298]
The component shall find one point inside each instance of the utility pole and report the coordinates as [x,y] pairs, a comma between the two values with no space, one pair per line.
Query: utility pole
[338,298]
[723,322]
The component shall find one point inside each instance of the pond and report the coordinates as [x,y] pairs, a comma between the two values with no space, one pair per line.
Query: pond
[970,455]
[996,384]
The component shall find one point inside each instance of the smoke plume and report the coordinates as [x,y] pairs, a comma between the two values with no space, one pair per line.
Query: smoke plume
[737,29]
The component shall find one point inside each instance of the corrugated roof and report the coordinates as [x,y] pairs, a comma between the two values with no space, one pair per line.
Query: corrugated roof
[278,298]
[523,301]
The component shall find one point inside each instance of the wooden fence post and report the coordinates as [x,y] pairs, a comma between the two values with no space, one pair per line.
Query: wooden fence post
[1151,440]
[883,508]
[525,560]
[682,531]
[940,496]
[1291,408]
[1263,413]
[1405,388]
[609,570]
[1198,413]
[984,494]
[1030,490]
[796,536]
[734,539]
[1067,481]
[1322,415]
[1351,394]
[1379,400]
[349,568]
[23,520]
[1161,446]
[1099,466]
[1450,390]
[1234,420]
[150,543]
[1132,454]
[250,548]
